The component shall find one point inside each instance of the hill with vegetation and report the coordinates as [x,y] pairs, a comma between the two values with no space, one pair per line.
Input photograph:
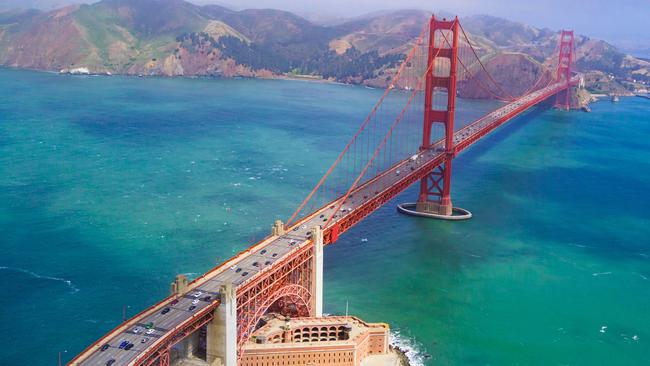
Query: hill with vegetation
[177,38]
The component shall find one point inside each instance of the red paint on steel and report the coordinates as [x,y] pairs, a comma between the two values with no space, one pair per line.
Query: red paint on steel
[565,60]
[436,192]
[335,233]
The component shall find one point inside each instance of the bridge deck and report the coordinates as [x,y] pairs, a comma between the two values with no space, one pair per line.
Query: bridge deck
[240,269]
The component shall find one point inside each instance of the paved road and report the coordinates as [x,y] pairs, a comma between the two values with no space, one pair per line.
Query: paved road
[243,268]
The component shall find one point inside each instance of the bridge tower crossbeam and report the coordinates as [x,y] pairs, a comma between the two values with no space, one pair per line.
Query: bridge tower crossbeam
[435,188]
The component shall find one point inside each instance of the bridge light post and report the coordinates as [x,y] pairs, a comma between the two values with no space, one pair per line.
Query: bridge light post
[60,363]
[124,307]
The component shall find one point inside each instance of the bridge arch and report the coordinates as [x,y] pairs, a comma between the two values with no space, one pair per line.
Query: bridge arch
[289,295]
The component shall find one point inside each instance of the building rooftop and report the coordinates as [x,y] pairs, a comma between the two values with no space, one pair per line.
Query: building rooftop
[280,331]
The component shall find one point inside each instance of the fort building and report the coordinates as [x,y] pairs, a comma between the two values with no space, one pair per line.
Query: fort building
[332,340]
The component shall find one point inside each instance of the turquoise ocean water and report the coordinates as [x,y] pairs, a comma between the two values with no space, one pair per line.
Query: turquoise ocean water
[111,186]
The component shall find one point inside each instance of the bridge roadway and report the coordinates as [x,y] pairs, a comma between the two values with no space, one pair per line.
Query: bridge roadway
[245,266]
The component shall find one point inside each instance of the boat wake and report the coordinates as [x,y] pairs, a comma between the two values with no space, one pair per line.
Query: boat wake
[412,349]
[71,286]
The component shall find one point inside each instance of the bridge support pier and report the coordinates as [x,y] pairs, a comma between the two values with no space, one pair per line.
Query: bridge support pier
[221,340]
[179,286]
[278,228]
[317,273]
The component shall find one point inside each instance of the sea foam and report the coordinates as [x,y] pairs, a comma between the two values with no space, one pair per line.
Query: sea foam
[73,288]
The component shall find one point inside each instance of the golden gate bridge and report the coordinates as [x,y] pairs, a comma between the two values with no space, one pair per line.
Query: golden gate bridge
[410,136]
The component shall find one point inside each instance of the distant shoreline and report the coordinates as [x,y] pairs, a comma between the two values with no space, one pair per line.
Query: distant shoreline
[287,77]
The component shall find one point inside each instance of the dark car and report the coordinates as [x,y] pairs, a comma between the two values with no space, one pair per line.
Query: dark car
[104,347]
[128,346]
[165,311]
[110,362]
[124,344]
[192,307]
[207,298]
[175,302]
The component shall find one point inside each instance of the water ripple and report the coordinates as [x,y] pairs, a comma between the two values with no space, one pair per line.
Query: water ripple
[73,288]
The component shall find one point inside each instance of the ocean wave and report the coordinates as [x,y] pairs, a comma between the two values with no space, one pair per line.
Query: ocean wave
[412,349]
[73,289]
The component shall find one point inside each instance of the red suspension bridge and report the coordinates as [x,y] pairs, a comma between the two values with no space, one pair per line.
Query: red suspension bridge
[410,136]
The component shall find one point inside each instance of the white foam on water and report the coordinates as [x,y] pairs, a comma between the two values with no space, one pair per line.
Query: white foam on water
[191,275]
[68,283]
[601,274]
[411,348]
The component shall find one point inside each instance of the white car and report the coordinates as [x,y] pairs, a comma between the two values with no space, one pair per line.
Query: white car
[151,331]
[194,302]
[136,330]
[197,294]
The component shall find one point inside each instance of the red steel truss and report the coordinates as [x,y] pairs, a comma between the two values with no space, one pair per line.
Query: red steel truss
[159,353]
[289,281]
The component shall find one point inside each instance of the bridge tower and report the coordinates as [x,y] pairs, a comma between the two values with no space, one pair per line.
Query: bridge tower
[563,99]
[435,189]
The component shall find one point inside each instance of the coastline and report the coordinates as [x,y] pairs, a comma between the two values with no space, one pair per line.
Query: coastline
[401,355]
[584,97]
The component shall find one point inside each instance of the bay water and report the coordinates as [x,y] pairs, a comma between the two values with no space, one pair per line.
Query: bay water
[109,187]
